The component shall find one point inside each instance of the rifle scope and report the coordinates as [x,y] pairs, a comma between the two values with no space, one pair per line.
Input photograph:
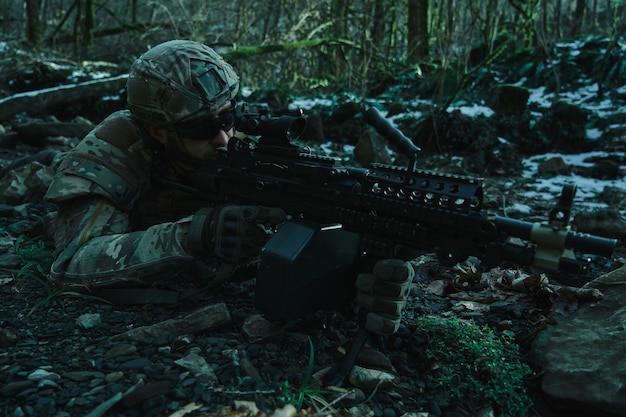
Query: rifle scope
[288,127]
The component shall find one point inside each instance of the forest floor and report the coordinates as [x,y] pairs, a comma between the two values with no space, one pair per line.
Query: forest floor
[68,355]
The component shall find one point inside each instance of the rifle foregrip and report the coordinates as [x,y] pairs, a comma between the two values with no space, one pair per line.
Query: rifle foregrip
[373,117]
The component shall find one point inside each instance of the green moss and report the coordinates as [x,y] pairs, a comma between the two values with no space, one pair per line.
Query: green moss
[474,363]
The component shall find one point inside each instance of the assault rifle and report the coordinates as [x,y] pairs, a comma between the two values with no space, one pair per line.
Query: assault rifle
[340,213]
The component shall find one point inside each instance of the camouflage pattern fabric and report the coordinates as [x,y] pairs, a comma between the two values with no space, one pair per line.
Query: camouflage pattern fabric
[114,227]
[178,80]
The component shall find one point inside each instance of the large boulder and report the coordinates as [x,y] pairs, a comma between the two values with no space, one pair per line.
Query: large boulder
[583,356]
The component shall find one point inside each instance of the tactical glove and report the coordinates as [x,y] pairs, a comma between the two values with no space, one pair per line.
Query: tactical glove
[235,234]
[381,296]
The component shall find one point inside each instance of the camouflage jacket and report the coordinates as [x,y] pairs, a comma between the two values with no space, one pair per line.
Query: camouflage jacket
[115,225]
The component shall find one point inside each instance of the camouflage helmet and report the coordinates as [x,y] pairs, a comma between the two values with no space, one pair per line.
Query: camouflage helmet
[179,80]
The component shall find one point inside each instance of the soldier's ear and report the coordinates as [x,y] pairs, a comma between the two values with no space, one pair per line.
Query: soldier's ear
[160,135]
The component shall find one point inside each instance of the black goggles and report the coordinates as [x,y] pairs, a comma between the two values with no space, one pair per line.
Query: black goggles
[207,128]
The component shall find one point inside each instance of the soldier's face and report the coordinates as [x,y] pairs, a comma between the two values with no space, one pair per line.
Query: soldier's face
[199,139]
[202,138]
[206,149]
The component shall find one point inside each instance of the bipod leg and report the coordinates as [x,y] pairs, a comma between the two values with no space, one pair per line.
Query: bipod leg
[338,373]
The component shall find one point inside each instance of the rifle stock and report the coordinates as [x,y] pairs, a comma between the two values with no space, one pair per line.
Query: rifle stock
[392,210]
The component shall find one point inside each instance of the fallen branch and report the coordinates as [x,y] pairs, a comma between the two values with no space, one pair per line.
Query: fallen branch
[38,100]
[205,318]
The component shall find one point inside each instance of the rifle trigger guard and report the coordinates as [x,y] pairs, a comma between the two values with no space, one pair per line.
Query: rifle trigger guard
[560,214]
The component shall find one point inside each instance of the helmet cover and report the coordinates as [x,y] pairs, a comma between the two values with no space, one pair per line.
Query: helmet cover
[179,80]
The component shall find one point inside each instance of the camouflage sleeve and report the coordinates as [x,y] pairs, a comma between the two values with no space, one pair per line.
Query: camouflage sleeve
[95,248]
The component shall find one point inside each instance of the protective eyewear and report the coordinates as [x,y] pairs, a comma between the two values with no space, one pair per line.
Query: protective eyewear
[208,128]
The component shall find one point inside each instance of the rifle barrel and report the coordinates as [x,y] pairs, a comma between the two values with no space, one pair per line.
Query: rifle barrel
[582,242]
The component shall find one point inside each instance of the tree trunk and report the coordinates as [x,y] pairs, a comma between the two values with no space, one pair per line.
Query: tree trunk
[557,19]
[377,24]
[338,63]
[84,25]
[418,49]
[579,15]
[133,12]
[33,22]
[88,23]
[36,101]
[77,22]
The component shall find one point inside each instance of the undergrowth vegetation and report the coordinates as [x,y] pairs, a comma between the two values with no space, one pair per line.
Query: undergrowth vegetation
[476,365]
[36,255]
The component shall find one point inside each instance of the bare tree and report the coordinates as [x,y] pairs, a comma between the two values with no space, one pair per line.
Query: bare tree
[340,14]
[579,15]
[324,43]
[88,23]
[34,31]
[417,39]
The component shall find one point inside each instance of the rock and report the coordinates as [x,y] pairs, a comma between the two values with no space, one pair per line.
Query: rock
[508,99]
[89,320]
[8,336]
[613,196]
[395,108]
[198,367]
[256,328]
[247,406]
[287,411]
[248,369]
[583,356]
[144,392]
[369,378]
[373,358]
[608,223]
[602,169]
[41,374]
[121,349]
[370,148]
[564,125]
[553,166]
[15,387]
[344,112]
[81,376]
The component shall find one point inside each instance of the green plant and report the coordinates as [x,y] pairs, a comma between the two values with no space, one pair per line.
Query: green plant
[476,364]
[37,255]
[305,395]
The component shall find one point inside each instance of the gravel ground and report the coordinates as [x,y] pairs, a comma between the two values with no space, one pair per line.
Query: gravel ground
[67,356]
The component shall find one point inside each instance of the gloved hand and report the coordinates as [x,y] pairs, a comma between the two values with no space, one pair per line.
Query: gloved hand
[381,296]
[232,233]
